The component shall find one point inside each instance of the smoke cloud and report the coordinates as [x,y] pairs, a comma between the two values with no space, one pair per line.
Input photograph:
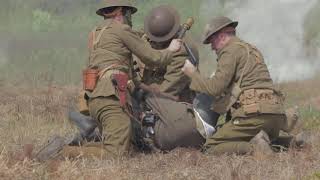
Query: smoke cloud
[276,28]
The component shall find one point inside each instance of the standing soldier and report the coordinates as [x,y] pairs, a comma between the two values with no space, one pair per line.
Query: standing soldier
[242,75]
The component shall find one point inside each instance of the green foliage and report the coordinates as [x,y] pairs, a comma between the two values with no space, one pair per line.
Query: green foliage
[310,117]
[58,65]
[37,32]
[69,21]
[42,21]
[315,176]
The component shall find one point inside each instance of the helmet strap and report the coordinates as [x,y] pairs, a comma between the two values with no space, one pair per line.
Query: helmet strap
[127,16]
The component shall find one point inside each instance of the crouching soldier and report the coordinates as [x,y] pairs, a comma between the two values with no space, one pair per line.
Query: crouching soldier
[243,84]
[256,107]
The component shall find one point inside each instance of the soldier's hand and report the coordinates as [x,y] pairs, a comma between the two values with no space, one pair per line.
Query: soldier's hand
[155,88]
[175,45]
[188,68]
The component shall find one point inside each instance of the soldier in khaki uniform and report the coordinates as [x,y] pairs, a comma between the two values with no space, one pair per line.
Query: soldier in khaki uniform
[243,79]
[111,46]
[161,26]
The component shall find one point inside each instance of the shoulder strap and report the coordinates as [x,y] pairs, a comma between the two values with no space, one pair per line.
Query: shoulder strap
[97,40]
[247,61]
[236,87]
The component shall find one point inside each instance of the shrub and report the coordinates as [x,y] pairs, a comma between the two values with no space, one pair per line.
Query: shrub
[42,21]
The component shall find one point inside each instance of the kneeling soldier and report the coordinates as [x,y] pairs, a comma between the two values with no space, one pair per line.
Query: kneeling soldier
[243,80]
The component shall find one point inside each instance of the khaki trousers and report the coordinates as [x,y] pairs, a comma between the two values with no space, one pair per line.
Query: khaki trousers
[116,130]
[234,136]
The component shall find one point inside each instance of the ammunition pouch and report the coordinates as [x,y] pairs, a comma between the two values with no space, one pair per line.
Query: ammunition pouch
[120,81]
[90,77]
[260,101]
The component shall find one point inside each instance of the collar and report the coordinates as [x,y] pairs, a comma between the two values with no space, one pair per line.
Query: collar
[230,42]
[106,22]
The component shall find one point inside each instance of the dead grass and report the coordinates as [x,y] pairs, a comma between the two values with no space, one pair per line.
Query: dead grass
[179,164]
[31,116]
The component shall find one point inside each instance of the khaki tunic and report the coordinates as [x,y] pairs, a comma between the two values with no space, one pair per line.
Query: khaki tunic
[235,58]
[231,61]
[116,44]
[171,79]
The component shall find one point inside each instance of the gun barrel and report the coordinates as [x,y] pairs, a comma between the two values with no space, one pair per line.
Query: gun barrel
[182,33]
[192,57]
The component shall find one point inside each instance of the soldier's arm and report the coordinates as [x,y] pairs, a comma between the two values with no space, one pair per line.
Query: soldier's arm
[139,32]
[225,73]
[142,49]
[174,79]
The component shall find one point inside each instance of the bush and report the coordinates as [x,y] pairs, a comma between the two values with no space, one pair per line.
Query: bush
[69,21]
[42,21]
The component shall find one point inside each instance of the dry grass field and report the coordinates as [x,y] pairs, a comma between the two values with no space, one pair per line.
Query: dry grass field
[30,115]
[44,42]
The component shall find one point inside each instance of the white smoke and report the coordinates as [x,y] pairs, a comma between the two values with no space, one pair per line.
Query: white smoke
[276,28]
